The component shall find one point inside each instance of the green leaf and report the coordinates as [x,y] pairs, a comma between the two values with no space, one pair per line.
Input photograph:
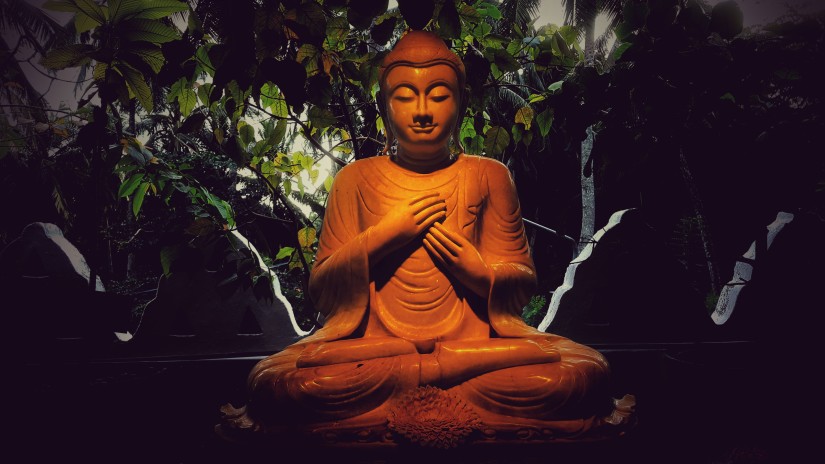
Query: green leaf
[272,99]
[728,97]
[307,52]
[311,15]
[328,183]
[496,141]
[517,133]
[92,10]
[503,60]
[187,101]
[151,55]
[555,86]
[99,73]
[545,121]
[246,132]
[337,31]
[84,23]
[67,56]
[157,9]
[137,85]
[321,117]
[278,133]
[284,252]
[536,97]
[147,30]
[620,50]
[120,9]
[204,63]
[489,10]
[449,22]
[524,116]
[468,130]
[129,185]
[137,200]
[168,255]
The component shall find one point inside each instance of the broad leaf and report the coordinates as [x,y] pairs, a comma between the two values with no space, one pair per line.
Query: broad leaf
[496,141]
[147,30]
[84,23]
[128,186]
[150,55]
[92,10]
[502,59]
[246,133]
[306,237]
[321,117]
[278,133]
[449,23]
[120,9]
[137,85]
[545,121]
[489,10]
[67,57]
[137,201]
[99,73]
[157,9]
[284,252]
[524,116]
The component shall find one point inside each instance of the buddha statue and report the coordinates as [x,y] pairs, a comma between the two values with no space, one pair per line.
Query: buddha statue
[422,271]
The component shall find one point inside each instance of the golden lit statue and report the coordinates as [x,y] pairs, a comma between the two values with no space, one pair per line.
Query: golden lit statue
[422,271]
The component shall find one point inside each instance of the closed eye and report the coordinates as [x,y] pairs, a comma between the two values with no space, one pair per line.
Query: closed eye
[439,98]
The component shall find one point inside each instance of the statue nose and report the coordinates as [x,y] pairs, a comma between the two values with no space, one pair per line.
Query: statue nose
[422,118]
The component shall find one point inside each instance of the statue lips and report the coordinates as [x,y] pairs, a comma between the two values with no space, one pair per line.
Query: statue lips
[423,128]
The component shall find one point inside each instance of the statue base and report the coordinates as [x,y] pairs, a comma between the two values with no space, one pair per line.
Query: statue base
[430,418]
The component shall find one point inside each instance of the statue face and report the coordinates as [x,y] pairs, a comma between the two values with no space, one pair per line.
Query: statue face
[422,106]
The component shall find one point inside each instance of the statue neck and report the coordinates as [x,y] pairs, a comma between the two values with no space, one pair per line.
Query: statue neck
[423,162]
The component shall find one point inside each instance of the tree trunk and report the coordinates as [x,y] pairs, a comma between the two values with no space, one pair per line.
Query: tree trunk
[590,42]
[588,189]
[699,212]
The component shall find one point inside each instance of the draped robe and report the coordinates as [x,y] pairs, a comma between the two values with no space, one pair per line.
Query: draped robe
[408,298]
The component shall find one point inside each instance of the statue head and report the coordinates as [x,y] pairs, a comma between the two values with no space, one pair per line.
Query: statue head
[422,97]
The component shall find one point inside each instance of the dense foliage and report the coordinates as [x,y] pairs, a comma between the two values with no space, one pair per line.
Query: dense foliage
[204,116]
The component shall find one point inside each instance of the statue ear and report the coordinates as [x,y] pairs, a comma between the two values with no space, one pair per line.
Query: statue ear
[462,112]
[381,101]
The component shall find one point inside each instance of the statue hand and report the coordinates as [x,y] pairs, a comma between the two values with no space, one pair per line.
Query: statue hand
[460,257]
[406,221]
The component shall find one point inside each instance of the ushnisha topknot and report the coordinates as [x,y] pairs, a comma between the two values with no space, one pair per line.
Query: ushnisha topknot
[420,49]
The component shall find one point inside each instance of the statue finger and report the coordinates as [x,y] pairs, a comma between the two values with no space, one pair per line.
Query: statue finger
[444,243]
[423,197]
[448,242]
[433,252]
[423,205]
[431,214]
[455,237]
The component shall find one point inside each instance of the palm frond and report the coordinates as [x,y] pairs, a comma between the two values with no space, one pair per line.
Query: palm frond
[513,99]
[519,12]
[30,22]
